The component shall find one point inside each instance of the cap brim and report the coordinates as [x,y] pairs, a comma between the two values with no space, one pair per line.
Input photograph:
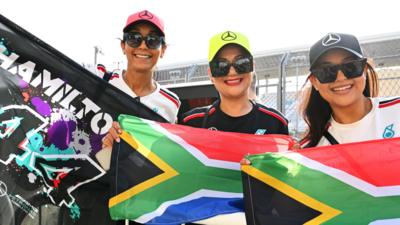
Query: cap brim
[336,47]
[142,20]
[232,43]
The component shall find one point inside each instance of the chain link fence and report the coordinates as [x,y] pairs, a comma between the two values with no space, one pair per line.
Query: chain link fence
[282,74]
[180,74]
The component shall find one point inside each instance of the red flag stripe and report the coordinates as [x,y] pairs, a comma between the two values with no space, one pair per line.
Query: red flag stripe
[376,162]
[228,146]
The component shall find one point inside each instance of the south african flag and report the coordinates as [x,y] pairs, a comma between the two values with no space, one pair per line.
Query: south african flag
[172,174]
[355,183]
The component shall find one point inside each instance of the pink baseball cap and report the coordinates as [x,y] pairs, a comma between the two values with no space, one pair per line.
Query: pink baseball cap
[145,15]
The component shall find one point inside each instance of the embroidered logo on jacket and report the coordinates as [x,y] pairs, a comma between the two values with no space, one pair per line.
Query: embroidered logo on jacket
[388,132]
[260,132]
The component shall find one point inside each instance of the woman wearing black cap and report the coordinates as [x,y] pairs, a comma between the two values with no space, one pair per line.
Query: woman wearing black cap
[340,106]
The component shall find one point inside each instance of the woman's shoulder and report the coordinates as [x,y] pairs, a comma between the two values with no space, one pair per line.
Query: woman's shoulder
[165,90]
[271,112]
[196,113]
[168,95]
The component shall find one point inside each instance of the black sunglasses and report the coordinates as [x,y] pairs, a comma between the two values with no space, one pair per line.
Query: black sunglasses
[328,74]
[134,39]
[221,67]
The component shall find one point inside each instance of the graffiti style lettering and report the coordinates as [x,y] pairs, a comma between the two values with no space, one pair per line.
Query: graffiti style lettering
[66,102]
[25,70]
[97,119]
[59,91]
[48,84]
[62,172]
[88,107]
[7,61]
[34,125]
[9,126]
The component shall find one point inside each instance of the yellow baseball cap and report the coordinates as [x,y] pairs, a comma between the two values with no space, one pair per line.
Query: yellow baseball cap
[227,37]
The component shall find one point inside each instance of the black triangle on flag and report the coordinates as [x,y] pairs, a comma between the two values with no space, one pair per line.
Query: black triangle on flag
[265,205]
[136,167]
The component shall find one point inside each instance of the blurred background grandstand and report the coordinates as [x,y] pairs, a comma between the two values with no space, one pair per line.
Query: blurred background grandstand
[281,75]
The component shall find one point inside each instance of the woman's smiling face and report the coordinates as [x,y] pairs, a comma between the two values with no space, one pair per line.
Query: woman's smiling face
[233,85]
[343,92]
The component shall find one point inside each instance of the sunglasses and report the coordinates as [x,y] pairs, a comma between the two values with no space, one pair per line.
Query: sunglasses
[328,74]
[221,67]
[134,40]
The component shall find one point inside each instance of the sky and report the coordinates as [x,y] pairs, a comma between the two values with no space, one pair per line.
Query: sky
[74,27]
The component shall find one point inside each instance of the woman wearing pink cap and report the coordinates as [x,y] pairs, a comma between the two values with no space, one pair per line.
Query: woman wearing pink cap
[143,44]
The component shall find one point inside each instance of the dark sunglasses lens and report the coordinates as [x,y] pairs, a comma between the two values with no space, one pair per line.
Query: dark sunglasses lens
[153,42]
[354,69]
[219,68]
[133,39]
[326,74]
[243,65]
[351,70]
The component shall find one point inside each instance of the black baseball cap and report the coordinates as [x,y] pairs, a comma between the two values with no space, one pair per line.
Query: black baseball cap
[331,41]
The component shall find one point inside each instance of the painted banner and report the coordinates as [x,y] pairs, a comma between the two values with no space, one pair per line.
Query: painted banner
[173,174]
[53,115]
[352,184]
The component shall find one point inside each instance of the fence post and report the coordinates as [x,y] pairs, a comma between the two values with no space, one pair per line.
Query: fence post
[282,83]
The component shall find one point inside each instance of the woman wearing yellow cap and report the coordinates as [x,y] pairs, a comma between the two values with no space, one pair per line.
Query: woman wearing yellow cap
[231,71]
[231,67]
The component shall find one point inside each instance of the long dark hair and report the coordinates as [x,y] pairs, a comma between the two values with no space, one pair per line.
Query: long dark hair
[317,112]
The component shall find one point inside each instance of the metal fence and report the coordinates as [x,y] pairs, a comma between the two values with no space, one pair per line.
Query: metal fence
[282,74]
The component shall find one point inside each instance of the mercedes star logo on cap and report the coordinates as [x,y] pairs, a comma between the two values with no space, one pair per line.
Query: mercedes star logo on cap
[228,36]
[146,15]
[330,39]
